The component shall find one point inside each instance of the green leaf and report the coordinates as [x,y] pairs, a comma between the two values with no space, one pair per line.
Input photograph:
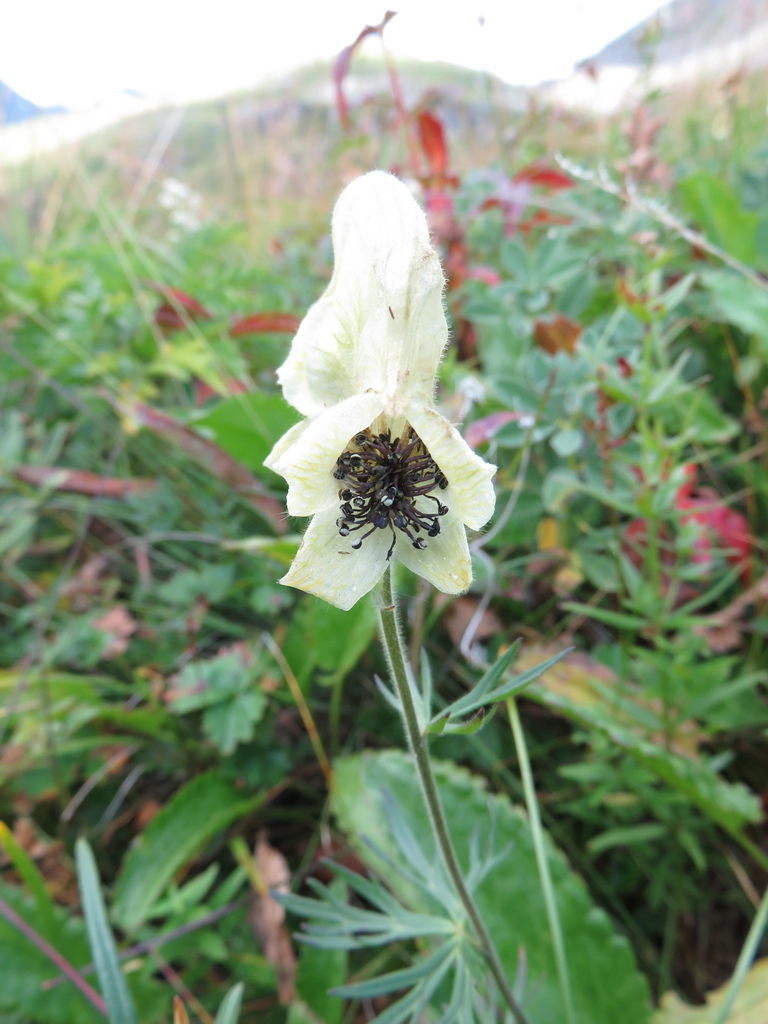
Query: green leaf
[510,898]
[300,1013]
[731,805]
[477,694]
[329,639]
[25,968]
[226,687]
[611,618]
[559,485]
[213,583]
[321,970]
[229,1010]
[469,727]
[233,722]
[205,806]
[29,874]
[740,302]
[718,212]
[247,426]
[645,833]
[567,442]
[396,981]
[120,1008]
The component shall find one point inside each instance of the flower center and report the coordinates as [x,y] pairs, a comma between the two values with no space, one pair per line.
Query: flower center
[382,480]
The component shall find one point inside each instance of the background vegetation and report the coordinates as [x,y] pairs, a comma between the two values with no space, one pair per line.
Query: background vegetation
[164,699]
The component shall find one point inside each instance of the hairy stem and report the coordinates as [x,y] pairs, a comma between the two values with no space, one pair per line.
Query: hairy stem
[393,647]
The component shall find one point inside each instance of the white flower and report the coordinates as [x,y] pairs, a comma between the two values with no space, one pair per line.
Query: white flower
[380,470]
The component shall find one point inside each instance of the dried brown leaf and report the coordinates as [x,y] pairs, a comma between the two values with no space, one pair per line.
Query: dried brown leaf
[459,616]
[559,334]
[750,1007]
[120,625]
[582,680]
[148,810]
[51,860]
[180,1015]
[722,631]
[267,917]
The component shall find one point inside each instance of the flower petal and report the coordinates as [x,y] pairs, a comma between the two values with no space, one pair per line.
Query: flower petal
[445,562]
[380,325]
[470,493]
[309,463]
[289,438]
[328,567]
[316,373]
[387,271]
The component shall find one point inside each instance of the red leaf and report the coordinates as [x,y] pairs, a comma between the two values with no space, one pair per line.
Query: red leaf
[725,525]
[80,481]
[547,177]
[218,462]
[485,274]
[480,431]
[432,138]
[264,323]
[187,302]
[167,317]
[543,217]
[204,391]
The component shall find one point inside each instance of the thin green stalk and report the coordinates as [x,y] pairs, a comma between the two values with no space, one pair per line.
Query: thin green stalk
[758,856]
[393,647]
[337,691]
[745,960]
[541,860]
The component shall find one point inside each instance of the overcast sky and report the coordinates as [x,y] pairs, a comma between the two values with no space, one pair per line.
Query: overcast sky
[77,52]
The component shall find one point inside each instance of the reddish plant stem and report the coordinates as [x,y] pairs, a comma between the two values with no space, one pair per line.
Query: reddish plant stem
[404,117]
[64,966]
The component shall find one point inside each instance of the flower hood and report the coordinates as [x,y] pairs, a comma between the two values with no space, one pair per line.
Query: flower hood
[381,471]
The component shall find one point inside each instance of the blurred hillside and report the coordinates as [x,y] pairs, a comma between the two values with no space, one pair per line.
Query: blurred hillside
[265,157]
[687,43]
[272,158]
[14,107]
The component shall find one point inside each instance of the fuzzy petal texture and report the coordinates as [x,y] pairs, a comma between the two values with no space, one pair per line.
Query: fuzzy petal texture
[308,464]
[327,566]
[289,438]
[316,373]
[470,492]
[380,326]
[446,562]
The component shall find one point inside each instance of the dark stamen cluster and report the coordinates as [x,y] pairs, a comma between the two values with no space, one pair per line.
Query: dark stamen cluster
[382,479]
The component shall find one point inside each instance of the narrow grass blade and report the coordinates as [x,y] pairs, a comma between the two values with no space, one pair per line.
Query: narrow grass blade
[475,697]
[32,878]
[748,953]
[541,860]
[516,683]
[229,1010]
[395,981]
[120,1008]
